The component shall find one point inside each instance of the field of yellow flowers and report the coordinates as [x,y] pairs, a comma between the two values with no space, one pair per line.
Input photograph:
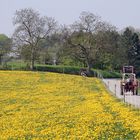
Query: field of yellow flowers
[45,106]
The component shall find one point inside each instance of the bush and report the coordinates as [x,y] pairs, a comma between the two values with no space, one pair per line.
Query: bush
[109,74]
[58,69]
[62,69]
[5,67]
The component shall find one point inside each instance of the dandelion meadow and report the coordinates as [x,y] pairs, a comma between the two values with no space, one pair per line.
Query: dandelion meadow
[47,106]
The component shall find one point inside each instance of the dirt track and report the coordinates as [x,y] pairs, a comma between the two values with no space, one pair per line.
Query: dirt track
[114,86]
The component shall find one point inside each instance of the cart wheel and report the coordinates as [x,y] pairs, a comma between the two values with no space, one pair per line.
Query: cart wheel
[136,91]
[133,91]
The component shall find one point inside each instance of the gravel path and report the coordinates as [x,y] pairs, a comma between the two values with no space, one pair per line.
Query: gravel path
[114,86]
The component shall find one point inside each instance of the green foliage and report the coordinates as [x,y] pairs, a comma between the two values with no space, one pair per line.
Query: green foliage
[16,65]
[108,74]
[5,46]
[58,69]
[88,42]
[20,65]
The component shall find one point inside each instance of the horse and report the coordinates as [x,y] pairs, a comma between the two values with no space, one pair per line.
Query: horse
[128,86]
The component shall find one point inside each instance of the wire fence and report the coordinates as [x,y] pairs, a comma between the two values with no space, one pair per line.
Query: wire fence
[113,86]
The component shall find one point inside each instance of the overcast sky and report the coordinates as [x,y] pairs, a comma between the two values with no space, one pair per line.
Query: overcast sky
[121,13]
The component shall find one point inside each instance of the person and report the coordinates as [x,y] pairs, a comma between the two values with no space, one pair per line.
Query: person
[127,84]
[128,80]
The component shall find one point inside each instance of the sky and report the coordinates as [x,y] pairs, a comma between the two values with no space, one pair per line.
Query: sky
[120,13]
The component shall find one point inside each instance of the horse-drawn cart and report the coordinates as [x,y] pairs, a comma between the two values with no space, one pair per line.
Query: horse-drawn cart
[129,83]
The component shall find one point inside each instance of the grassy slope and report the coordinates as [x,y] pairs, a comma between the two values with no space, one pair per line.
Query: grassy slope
[57,106]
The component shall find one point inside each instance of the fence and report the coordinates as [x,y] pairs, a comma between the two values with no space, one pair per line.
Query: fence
[113,85]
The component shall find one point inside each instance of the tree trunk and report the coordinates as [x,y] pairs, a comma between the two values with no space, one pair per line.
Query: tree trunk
[0,59]
[32,64]
[32,60]
[89,66]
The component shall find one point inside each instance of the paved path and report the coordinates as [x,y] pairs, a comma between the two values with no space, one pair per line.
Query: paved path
[114,86]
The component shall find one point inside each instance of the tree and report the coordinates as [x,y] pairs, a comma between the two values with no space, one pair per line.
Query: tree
[83,48]
[59,50]
[109,55]
[48,50]
[131,41]
[88,22]
[127,44]
[31,28]
[134,51]
[82,41]
[5,46]
[90,38]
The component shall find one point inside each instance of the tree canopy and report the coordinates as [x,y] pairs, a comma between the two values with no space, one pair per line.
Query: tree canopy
[88,42]
[31,28]
[5,46]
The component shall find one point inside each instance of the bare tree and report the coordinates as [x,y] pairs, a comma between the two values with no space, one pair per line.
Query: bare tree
[31,28]
[88,22]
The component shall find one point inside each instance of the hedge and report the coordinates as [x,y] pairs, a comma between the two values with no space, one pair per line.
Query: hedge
[62,69]
[76,71]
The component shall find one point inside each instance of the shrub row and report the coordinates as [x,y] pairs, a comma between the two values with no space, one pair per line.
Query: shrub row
[58,69]
[109,74]
[63,69]
[76,71]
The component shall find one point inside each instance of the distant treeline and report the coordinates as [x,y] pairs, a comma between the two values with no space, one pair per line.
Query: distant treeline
[88,42]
